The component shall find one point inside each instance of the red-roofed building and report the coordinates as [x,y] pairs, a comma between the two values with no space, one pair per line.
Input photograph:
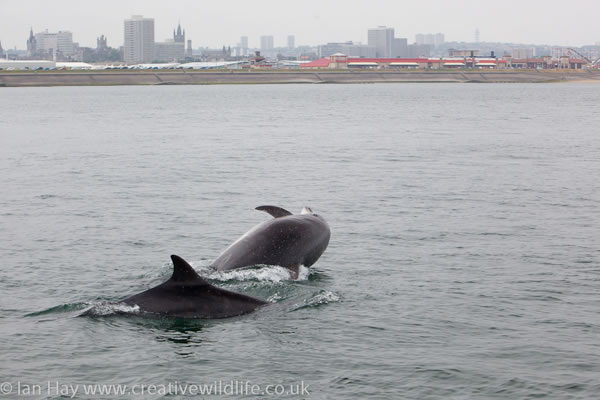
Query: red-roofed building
[529,63]
[339,61]
[547,62]
[320,63]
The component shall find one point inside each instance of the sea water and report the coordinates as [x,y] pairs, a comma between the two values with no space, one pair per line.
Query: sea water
[464,259]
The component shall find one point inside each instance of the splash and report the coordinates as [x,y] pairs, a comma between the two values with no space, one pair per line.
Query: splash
[265,273]
[303,273]
[104,309]
[274,298]
[319,299]
[324,297]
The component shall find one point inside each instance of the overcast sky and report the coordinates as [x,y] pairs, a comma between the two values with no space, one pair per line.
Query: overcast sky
[217,23]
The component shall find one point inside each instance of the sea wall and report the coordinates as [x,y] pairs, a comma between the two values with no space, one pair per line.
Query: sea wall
[186,77]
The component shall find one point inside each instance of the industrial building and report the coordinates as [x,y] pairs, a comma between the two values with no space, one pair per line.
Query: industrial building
[548,62]
[343,61]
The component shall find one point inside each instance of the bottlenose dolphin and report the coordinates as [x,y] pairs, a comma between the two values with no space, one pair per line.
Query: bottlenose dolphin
[187,295]
[287,240]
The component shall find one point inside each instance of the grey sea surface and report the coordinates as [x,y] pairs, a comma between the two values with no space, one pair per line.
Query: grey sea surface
[464,260]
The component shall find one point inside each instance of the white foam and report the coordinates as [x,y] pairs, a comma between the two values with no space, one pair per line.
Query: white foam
[274,298]
[269,273]
[323,297]
[303,273]
[103,309]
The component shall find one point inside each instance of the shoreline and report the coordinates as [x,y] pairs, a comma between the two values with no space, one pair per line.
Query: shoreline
[211,77]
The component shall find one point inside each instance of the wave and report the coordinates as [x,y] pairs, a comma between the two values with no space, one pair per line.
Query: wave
[317,300]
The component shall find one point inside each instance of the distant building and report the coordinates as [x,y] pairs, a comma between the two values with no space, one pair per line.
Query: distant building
[172,49]
[329,49]
[216,54]
[462,53]
[419,50]
[359,50]
[347,48]
[139,40]
[1,50]
[179,35]
[382,39]
[169,51]
[438,39]
[101,53]
[50,45]
[340,61]
[27,64]
[241,50]
[244,45]
[523,52]
[431,39]
[266,42]
[101,44]
[31,45]
[291,41]
[400,47]
[189,53]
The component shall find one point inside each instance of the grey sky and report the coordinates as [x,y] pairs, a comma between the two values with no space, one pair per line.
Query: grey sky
[217,23]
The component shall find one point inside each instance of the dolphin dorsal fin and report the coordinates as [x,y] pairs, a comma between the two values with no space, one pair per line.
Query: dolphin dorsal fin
[183,272]
[276,212]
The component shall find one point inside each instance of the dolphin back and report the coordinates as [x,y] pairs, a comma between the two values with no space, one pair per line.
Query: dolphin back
[287,240]
[187,295]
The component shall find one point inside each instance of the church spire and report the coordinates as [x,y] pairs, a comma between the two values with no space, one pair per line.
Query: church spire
[179,34]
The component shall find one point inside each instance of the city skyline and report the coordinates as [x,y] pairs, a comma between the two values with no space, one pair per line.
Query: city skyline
[312,23]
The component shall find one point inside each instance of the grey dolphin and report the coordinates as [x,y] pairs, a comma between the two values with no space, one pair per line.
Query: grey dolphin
[187,295]
[287,240]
